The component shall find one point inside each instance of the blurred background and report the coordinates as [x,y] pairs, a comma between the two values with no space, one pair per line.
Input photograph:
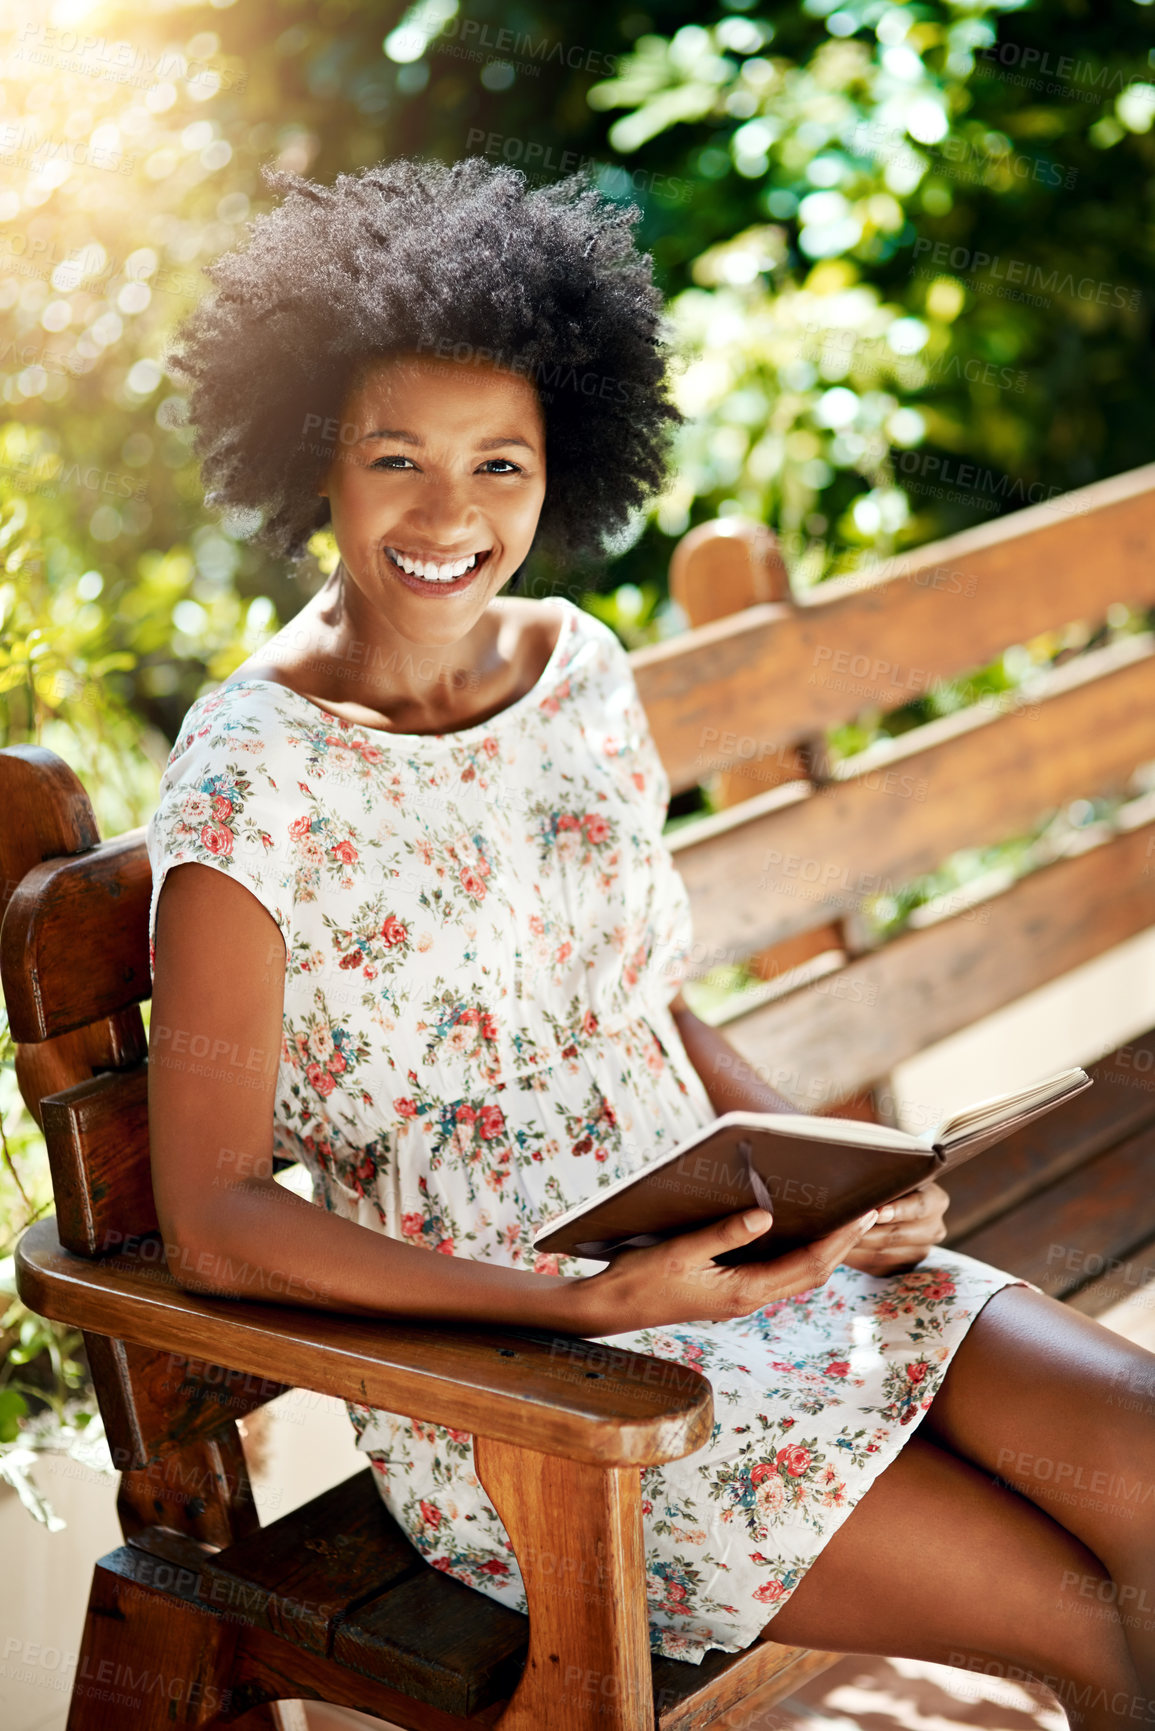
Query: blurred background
[906,250]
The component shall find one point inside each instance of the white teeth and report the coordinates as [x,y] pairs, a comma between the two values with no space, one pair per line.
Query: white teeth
[429,570]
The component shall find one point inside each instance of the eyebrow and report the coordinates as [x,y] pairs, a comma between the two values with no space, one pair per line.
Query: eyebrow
[407,438]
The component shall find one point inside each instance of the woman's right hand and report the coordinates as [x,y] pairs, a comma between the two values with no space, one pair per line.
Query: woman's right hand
[679,1281]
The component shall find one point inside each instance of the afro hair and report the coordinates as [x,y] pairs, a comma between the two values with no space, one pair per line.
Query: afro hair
[417,256]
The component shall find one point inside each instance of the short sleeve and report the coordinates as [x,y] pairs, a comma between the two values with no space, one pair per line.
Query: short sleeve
[225,801]
[630,727]
[646,784]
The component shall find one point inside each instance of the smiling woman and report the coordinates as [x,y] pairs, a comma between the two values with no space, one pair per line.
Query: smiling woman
[416,853]
[427,358]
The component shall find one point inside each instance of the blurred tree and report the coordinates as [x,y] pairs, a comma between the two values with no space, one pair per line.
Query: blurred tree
[918,292]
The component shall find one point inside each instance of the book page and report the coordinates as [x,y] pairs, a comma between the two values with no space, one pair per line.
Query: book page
[812,1127]
[1006,1108]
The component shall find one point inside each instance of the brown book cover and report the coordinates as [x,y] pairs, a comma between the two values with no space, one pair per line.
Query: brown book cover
[812,1173]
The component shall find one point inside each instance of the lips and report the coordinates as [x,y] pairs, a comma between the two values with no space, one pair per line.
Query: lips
[436,568]
[435,585]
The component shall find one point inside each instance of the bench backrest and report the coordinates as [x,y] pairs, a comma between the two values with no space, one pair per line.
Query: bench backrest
[781,874]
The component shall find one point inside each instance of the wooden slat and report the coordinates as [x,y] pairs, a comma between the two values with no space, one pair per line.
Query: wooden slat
[105,895]
[787,861]
[1064,1236]
[266,1663]
[156,1588]
[312,1568]
[732,1689]
[1030,572]
[36,781]
[115,1043]
[153,1403]
[721,567]
[718,569]
[559,1394]
[1121,1101]
[840,1032]
[98,1151]
[438,1641]
[142,1628]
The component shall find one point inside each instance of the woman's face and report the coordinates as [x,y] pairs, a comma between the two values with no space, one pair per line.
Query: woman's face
[438,463]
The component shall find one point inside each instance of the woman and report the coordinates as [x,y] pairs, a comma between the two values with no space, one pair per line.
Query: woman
[423,828]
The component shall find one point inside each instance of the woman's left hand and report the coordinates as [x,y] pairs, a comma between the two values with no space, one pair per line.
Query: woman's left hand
[915,1225]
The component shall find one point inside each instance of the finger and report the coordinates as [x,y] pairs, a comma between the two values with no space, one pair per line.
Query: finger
[903,1240]
[916,1206]
[707,1242]
[813,1263]
[915,1231]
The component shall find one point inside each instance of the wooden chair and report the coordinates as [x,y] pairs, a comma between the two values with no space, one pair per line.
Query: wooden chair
[203,1617]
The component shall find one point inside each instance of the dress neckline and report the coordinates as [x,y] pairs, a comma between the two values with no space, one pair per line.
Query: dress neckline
[568,618]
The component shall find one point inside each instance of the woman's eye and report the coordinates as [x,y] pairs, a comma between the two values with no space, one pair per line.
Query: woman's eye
[395,460]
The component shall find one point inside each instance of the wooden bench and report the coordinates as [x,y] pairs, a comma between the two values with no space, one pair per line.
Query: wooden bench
[332,1602]
[781,874]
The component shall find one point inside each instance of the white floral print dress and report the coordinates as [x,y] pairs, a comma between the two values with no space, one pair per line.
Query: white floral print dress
[484,930]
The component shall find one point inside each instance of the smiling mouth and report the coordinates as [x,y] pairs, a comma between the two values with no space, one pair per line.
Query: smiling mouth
[437,570]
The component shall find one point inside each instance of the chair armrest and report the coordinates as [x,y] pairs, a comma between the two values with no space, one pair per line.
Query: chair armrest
[556,1394]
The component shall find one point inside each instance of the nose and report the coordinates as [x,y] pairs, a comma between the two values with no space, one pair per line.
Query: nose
[444,514]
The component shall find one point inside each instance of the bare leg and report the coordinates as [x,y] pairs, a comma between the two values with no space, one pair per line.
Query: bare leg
[936,1562]
[1064,1410]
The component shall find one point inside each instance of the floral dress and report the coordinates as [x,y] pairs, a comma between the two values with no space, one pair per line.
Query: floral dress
[484,930]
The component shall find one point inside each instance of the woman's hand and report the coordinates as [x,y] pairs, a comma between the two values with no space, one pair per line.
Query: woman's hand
[908,1229]
[679,1281]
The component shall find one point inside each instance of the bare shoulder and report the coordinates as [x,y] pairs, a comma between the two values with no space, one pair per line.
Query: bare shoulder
[536,624]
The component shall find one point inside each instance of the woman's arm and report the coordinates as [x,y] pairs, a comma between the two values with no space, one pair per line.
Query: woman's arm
[730,1080]
[228,1227]
[231,1230]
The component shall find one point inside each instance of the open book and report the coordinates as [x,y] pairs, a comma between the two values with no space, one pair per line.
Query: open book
[812,1173]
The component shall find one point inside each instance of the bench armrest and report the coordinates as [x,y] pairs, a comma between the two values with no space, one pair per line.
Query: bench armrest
[556,1394]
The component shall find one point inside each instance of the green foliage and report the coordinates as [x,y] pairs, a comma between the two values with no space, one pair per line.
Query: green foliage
[916,291]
